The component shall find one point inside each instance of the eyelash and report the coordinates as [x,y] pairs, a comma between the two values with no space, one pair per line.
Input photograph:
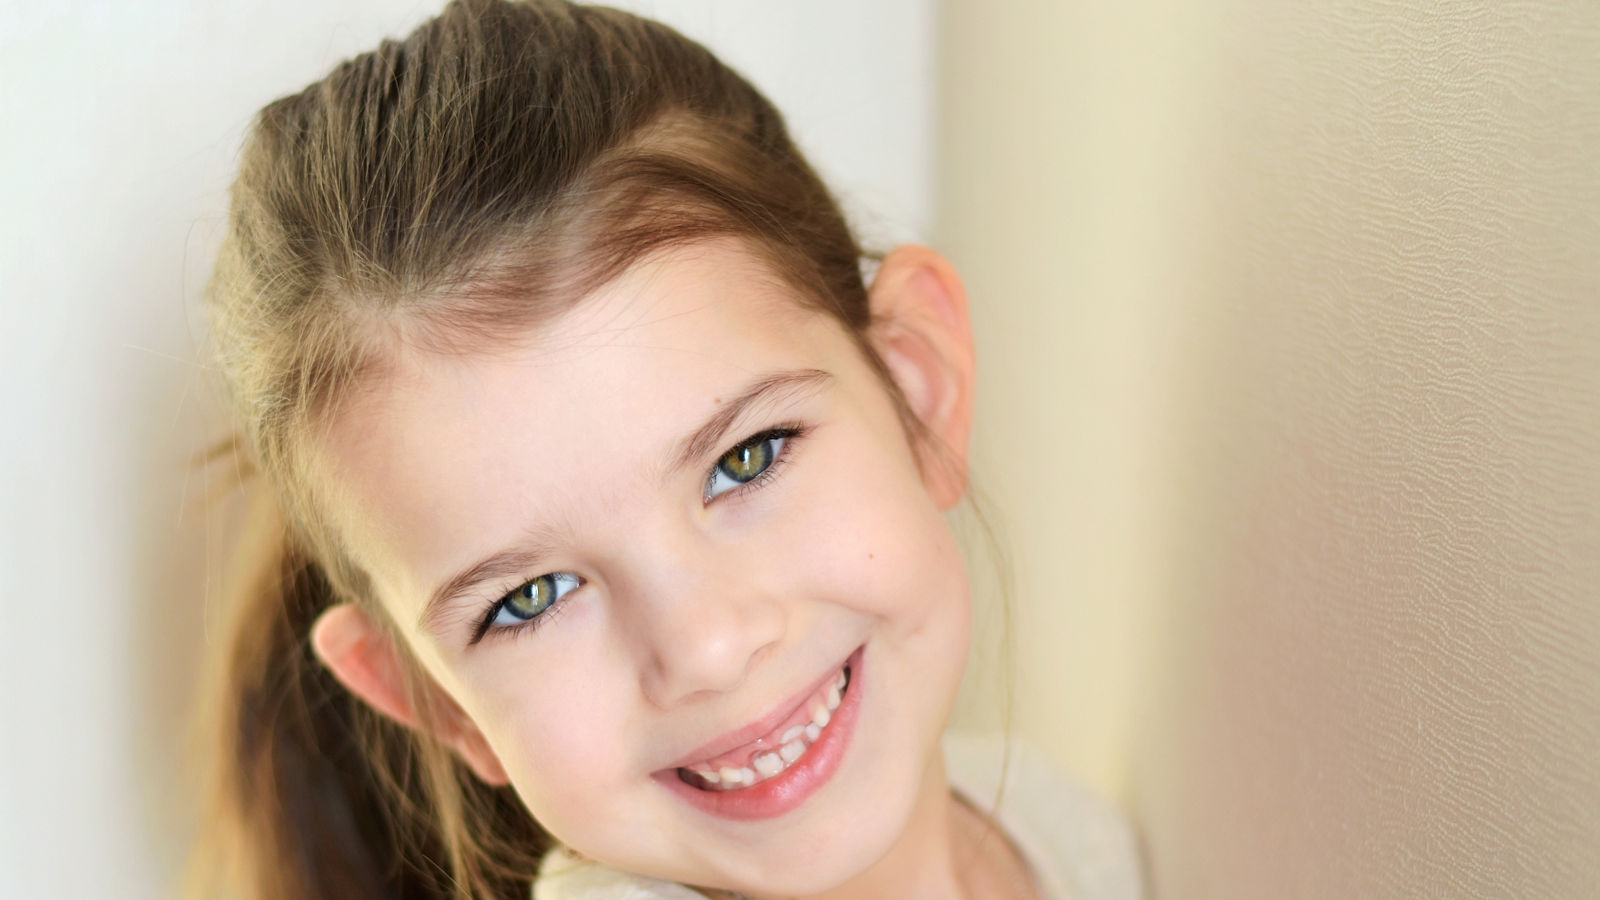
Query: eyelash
[789,434]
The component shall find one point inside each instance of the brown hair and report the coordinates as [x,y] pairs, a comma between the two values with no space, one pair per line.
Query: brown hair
[453,189]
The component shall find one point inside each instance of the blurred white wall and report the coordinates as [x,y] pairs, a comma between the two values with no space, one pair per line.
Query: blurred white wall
[118,125]
[1289,317]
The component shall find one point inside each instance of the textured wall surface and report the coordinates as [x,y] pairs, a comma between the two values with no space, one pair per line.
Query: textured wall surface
[1345,325]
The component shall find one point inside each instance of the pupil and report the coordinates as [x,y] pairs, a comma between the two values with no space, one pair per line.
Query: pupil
[747,462]
[531,599]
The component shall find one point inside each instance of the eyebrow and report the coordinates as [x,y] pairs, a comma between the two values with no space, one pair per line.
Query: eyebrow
[542,539]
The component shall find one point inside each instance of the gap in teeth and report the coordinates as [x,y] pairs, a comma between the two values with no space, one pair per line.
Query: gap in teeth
[793,744]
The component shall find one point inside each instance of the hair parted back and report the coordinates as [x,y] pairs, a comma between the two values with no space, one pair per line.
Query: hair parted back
[452,190]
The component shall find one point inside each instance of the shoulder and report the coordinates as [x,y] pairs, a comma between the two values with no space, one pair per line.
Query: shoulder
[563,875]
[1080,845]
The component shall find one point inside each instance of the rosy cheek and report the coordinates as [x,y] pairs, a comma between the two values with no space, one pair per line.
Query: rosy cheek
[537,714]
[560,762]
[871,539]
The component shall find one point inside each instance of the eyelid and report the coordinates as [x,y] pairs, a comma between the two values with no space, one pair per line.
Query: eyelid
[789,434]
[486,626]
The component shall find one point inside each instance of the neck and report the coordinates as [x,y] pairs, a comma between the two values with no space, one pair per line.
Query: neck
[949,851]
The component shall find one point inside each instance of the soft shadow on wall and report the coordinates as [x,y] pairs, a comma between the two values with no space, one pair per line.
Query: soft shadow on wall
[1291,370]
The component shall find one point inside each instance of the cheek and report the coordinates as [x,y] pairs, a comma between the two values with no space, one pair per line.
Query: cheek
[554,726]
[875,540]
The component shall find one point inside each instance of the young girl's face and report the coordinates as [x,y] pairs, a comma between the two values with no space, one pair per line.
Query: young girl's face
[649,539]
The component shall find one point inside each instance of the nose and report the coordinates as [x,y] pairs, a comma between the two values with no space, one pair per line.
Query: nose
[700,622]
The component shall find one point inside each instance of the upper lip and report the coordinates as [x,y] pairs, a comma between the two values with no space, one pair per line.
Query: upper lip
[748,733]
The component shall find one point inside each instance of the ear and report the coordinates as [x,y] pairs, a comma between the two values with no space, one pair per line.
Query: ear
[363,657]
[922,331]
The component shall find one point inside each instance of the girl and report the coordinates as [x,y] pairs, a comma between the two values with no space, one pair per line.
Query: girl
[611,560]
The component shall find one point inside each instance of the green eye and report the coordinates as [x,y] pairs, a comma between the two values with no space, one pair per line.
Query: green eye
[533,598]
[746,462]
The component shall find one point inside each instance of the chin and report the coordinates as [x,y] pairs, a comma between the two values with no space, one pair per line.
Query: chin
[835,853]
[838,859]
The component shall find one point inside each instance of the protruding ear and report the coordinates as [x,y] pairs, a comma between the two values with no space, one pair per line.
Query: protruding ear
[922,331]
[365,660]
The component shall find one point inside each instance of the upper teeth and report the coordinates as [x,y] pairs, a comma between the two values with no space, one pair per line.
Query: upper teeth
[792,745]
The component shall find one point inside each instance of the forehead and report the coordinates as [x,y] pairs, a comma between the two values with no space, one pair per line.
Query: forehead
[451,456]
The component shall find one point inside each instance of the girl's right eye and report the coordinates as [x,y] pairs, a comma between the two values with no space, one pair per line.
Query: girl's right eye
[530,601]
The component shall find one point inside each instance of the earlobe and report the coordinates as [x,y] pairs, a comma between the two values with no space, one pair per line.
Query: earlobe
[923,333]
[362,656]
[480,757]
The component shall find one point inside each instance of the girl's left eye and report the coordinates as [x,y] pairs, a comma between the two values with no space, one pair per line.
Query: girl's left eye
[748,462]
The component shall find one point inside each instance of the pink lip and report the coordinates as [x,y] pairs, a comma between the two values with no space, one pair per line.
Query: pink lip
[783,792]
[736,739]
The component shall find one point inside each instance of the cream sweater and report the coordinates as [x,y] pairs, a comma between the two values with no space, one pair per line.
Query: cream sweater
[1078,846]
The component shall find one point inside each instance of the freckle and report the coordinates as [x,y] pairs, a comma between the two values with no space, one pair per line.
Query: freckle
[872,556]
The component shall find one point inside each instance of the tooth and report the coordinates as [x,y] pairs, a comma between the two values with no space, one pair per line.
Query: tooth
[709,776]
[820,716]
[840,681]
[729,776]
[792,733]
[747,776]
[812,731]
[833,698]
[791,751]
[768,764]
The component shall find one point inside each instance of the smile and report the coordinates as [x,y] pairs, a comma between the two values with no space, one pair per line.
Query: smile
[772,754]
[793,754]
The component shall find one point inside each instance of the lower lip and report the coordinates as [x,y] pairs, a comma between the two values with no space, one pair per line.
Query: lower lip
[794,785]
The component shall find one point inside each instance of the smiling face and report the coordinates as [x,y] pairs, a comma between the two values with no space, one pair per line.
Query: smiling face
[703,496]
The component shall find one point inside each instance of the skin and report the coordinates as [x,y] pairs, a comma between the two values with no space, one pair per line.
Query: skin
[693,617]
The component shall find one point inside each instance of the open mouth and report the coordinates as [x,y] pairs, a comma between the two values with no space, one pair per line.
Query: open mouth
[789,762]
[772,754]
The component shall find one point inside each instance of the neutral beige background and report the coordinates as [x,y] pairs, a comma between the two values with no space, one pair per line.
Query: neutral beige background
[1290,329]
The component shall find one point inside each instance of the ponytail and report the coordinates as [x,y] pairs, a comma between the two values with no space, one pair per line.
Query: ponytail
[313,796]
